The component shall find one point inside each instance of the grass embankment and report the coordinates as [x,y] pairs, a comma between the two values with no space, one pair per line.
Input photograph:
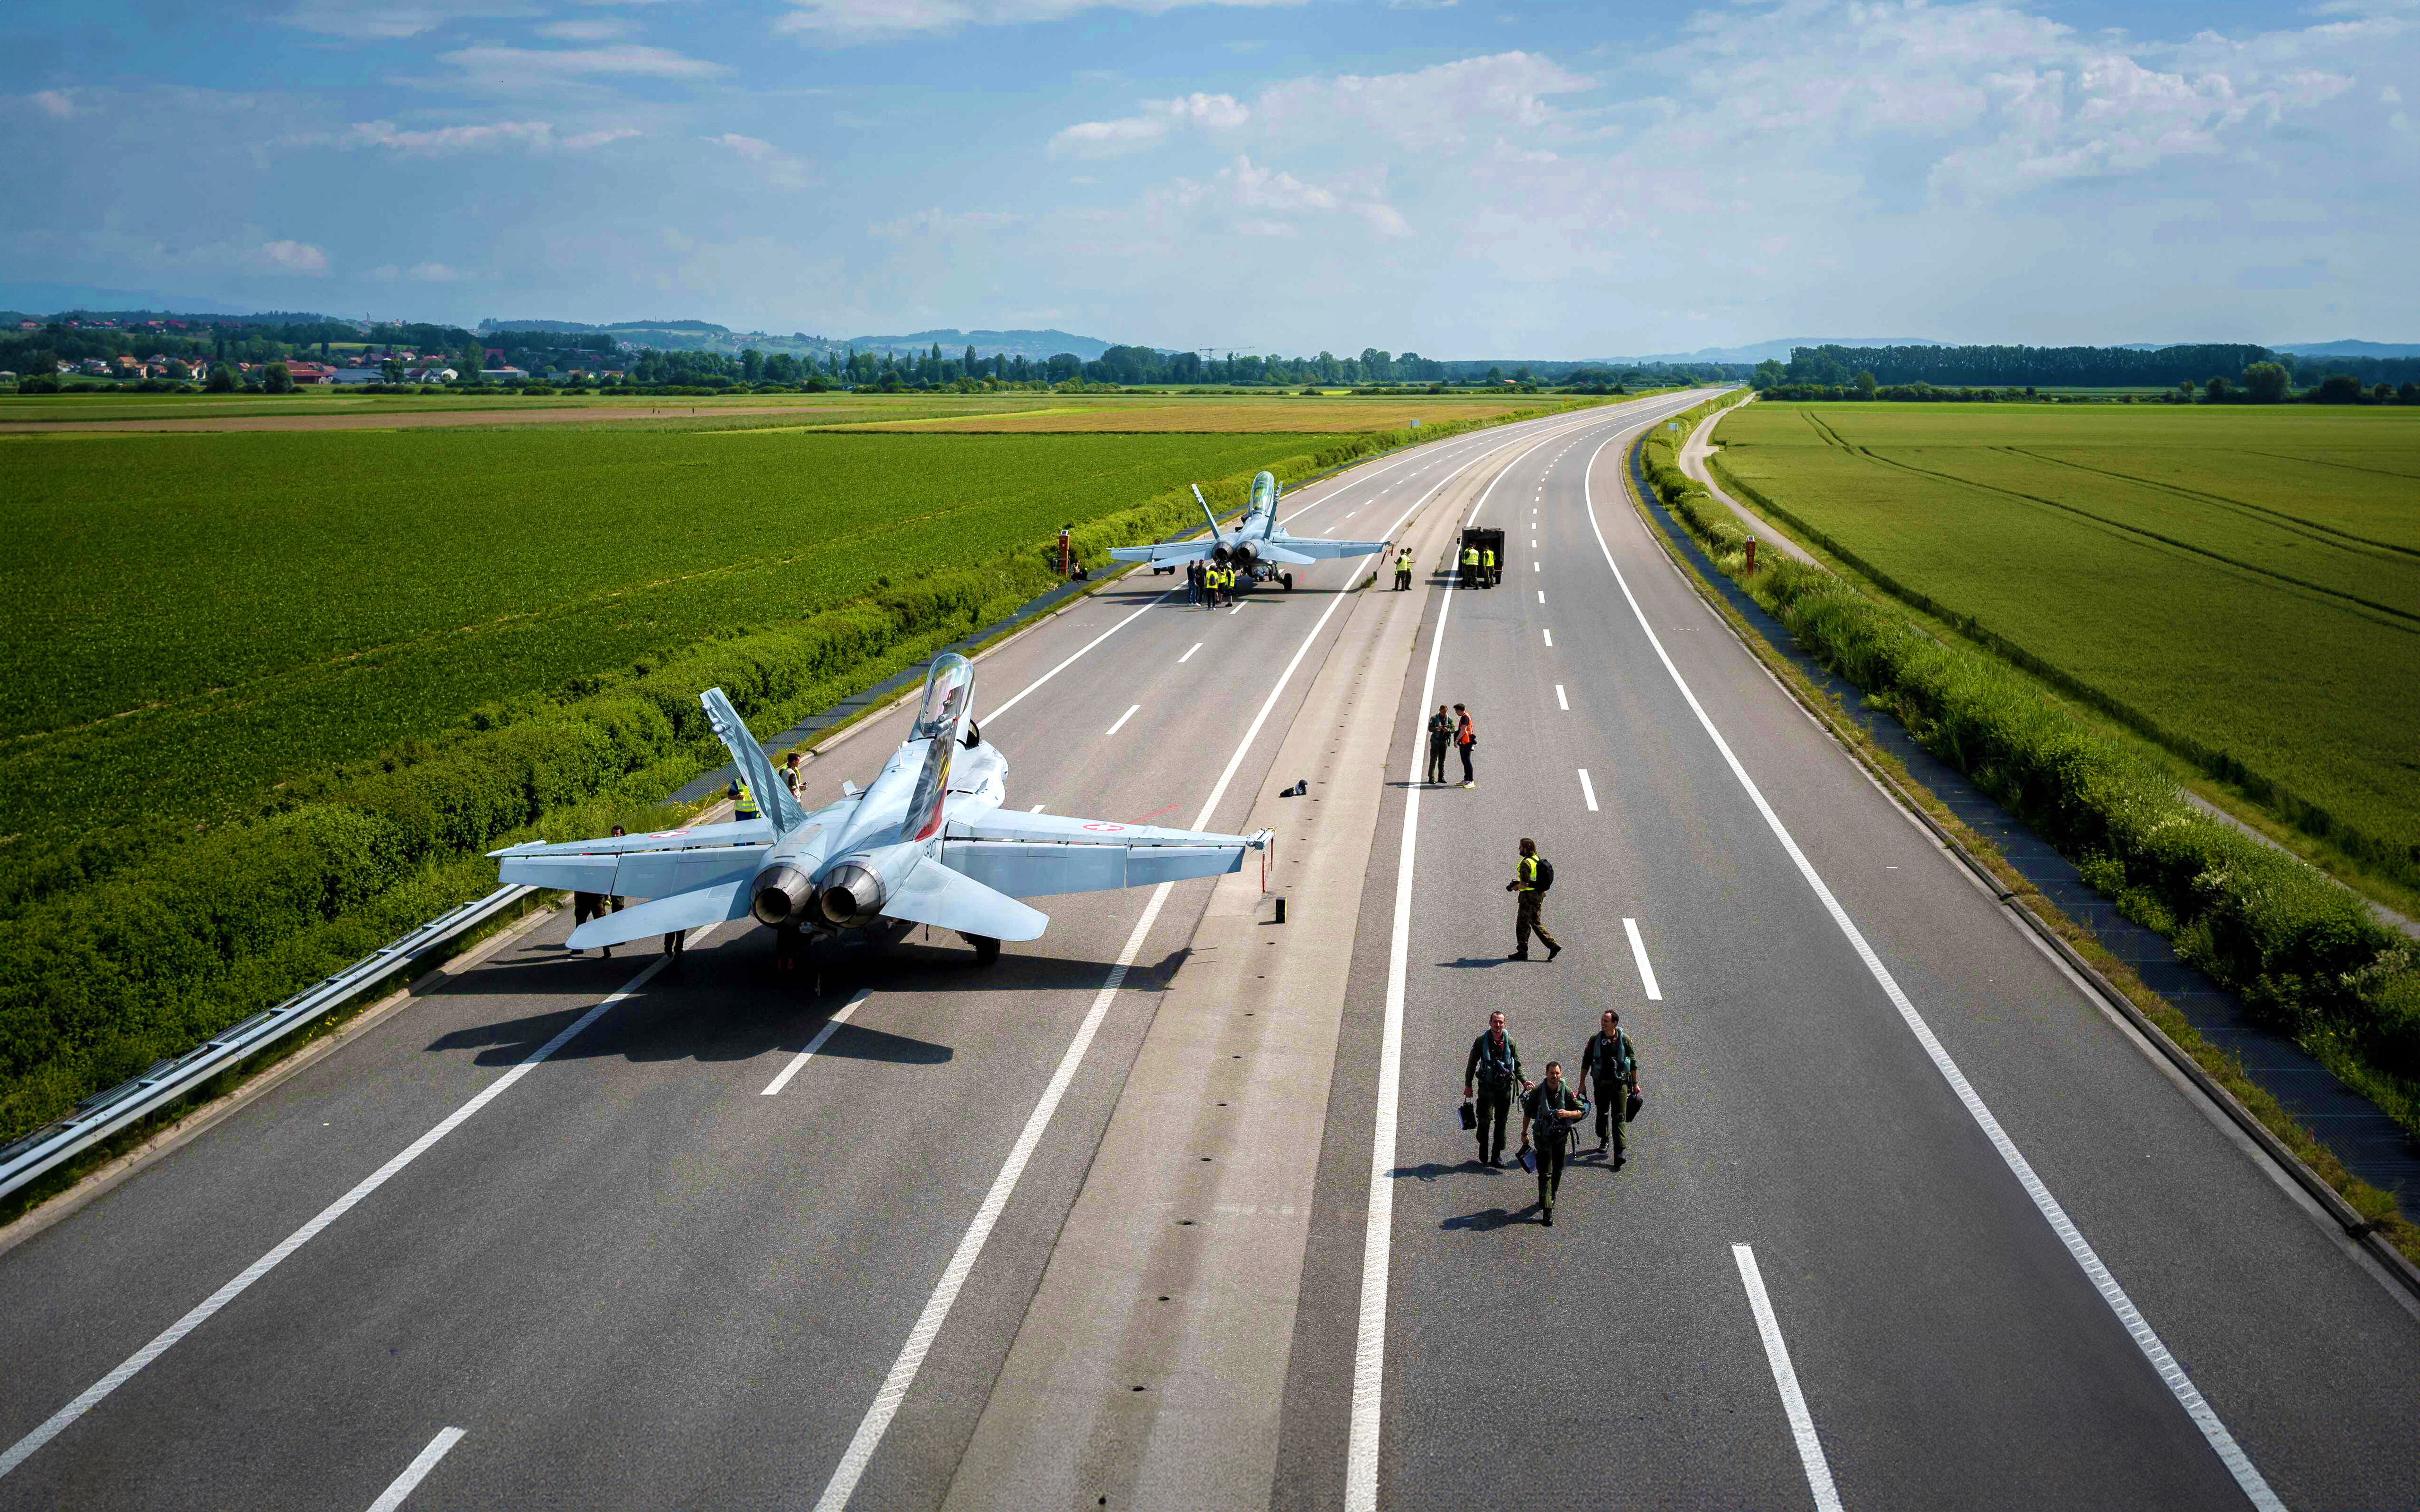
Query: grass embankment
[504,641]
[2240,586]
[2303,952]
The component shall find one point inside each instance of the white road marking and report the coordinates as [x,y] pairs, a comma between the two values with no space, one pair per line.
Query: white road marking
[1638,953]
[202,1313]
[1239,609]
[1121,719]
[1535,567]
[1793,1401]
[1542,596]
[2247,1476]
[1036,809]
[1551,638]
[1188,655]
[1370,1352]
[1561,703]
[1588,790]
[401,1487]
[830,1027]
[1079,654]
[902,1376]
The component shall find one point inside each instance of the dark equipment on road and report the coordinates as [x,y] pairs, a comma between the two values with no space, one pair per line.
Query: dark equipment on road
[1483,539]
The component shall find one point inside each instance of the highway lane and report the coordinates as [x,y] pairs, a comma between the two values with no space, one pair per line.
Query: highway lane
[1951,1350]
[634,1277]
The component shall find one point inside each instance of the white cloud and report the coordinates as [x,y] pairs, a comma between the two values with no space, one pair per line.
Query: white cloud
[495,66]
[587,31]
[928,224]
[1434,107]
[845,21]
[535,136]
[1257,200]
[780,169]
[294,257]
[375,20]
[1105,139]
[53,102]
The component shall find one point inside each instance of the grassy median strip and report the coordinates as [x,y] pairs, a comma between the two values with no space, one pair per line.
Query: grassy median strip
[2301,952]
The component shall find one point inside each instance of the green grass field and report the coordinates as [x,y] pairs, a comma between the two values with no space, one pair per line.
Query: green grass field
[2243,584]
[191,618]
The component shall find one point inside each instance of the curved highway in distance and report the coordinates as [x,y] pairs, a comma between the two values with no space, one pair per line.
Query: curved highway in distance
[730,1244]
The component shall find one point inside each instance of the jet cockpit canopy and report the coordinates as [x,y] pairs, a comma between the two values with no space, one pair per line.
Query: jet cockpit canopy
[949,695]
[1264,491]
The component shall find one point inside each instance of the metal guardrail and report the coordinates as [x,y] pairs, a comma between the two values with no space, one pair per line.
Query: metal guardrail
[103,1114]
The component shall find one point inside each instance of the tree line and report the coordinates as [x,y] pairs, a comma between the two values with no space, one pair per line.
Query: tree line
[2073,367]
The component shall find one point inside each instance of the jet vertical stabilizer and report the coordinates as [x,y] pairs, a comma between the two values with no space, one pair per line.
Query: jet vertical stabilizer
[773,800]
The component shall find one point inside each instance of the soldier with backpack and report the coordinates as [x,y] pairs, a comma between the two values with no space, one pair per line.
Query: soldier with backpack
[1550,1116]
[1613,1060]
[1493,1072]
[1532,876]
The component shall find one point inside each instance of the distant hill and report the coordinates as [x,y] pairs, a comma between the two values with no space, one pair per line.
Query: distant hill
[985,342]
[2349,349]
[54,299]
[1780,350]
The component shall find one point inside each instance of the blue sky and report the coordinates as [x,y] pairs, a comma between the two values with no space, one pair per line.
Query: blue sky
[1467,179]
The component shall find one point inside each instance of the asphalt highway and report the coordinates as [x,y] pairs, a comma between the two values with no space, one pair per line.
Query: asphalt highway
[592,1233]
[1947,1340]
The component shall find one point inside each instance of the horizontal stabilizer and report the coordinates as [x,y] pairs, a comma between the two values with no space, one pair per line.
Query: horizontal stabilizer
[1173,551]
[682,911]
[1271,551]
[933,894]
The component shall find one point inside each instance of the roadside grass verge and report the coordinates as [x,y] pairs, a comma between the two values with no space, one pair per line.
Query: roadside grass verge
[103,975]
[2303,954]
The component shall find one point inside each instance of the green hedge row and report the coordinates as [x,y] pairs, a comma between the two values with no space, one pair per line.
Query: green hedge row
[2305,954]
[99,981]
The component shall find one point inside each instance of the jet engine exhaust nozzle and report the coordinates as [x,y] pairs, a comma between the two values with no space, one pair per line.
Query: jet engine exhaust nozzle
[1221,554]
[1244,555]
[851,896]
[782,895]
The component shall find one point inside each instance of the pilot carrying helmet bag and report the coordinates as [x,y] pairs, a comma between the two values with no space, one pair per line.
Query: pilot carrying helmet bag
[1469,1116]
[1630,1112]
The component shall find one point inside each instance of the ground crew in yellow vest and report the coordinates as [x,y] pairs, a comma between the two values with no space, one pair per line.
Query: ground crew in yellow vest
[1402,569]
[743,803]
[1487,566]
[1613,1061]
[1532,875]
[1469,566]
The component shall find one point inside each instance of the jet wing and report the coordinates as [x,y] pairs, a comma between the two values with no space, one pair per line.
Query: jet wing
[638,865]
[1319,548]
[1034,855]
[1169,551]
[682,911]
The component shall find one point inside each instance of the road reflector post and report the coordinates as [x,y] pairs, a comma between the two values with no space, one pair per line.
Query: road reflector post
[1751,556]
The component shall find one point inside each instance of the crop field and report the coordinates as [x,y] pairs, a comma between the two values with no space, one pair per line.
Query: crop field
[2243,584]
[191,618]
[1226,413]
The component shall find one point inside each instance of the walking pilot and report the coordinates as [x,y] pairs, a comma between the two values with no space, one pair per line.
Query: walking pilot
[1611,1059]
[1532,875]
[1494,1066]
[1440,740]
[1548,1117]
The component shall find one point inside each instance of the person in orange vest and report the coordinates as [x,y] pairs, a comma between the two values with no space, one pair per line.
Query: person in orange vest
[1465,740]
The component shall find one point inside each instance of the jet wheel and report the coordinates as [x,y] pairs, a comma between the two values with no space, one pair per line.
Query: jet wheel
[986,949]
[1289,582]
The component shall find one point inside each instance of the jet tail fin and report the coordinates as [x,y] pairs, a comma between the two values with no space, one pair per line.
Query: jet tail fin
[755,768]
[1207,512]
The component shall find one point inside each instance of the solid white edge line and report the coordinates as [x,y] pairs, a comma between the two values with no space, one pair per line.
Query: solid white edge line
[1188,655]
[1121,720]
[57,1422]
[832,1026]
[1561,703]
[1369,1346]
[413,1473]
[1588,790]
[1646,968]
[902,1375]
[1793,1401]
[2205,1417]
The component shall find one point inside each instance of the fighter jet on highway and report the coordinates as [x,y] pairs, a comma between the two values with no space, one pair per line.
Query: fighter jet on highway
[1258,547]
[927,843]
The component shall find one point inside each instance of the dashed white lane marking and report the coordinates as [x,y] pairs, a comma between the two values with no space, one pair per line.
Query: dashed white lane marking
[1551,638]
[1793,1401]
[1535,567]
[1588,790]
[1188,655]
[2248,1478]
[832,1026]
[1542,596]
[1121,719]
[415,1473]
[1646,968]
[1036,809]
[58,1422]
[1561,703]
[1369,1346]
[1239,609]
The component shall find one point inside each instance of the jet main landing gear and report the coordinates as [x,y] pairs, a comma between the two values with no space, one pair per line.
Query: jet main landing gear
[986,949]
